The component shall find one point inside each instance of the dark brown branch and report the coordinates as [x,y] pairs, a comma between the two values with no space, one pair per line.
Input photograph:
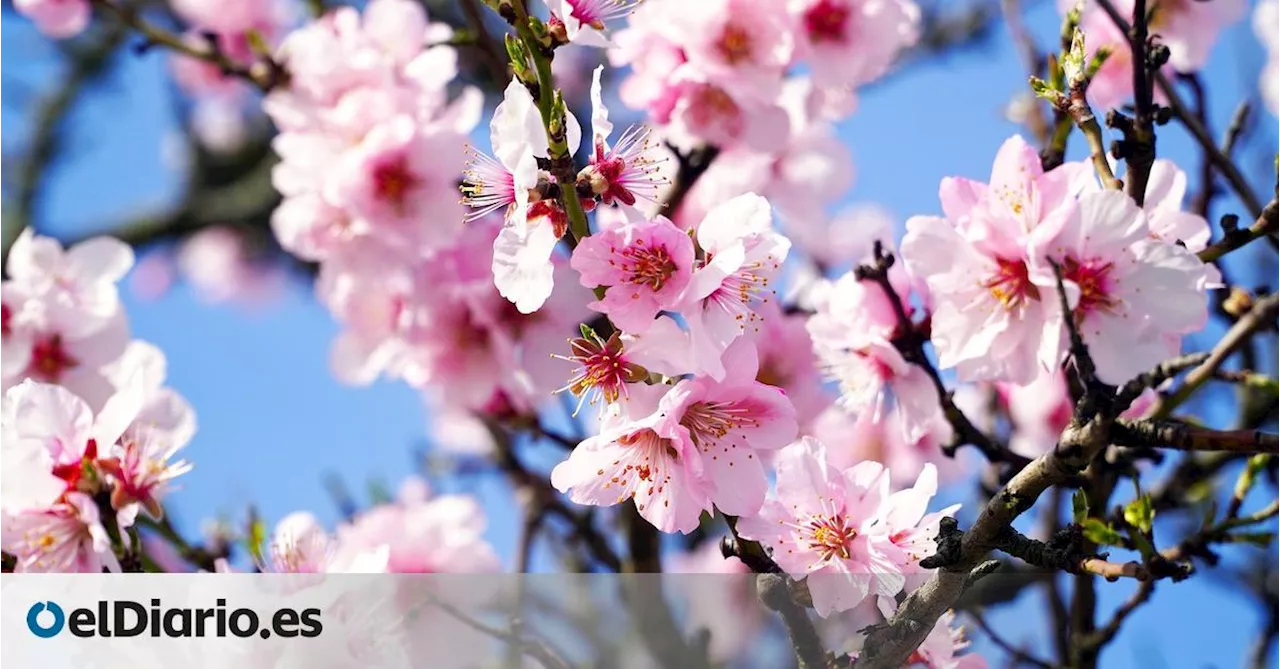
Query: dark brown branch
[1225,166]
[1262,315]
[1167,434]
[1265,226]
[889,646]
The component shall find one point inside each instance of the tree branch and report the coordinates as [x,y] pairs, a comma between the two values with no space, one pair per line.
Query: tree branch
[1165,434]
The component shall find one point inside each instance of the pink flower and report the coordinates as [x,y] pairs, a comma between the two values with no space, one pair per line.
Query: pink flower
[625,171]
[604,369]
[743,254]
[59,19]
[583,21]
[787,361]
[79,282]
[1189,29]
[941,649]
[911,528]
[800,178]
[424,535]
[628,459]
[401,176]
[853,330]
[994,305]
[852,42]
[62,352]
[142,470]
[301,546]
[732,424]
[20,316]
[644,267]
[704,111]
[66,537]
[741,45]
[66,427]
[852,439]
[1136,295]
[826,526]
[1039,411]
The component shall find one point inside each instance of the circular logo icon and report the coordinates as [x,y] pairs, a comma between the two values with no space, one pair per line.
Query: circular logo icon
[45,631]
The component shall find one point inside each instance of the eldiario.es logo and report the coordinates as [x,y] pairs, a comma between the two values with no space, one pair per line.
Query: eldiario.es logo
[124,618]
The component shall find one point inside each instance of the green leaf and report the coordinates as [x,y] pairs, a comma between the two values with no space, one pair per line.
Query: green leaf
[1101,533]
[1079,507]
[587,332]
[1143,545]
[1139,513]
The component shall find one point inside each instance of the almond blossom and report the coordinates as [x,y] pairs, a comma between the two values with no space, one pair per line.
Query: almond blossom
[628,460]
[63,538]
[853,330]
[627,170]
[422,534]
[78,282]
[741,45]
[644,267]
[1136,295]
[826,525]
[300,545]
[583,21]
[993,301]
[696,446]
[742,256]
[732,424]
[851,42]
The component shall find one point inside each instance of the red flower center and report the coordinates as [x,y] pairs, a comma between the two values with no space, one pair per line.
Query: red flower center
[1011,285]
[735,44]
[49,359]
[1094,281]
[826,21]
[831,536]
[648,265]
[392,181]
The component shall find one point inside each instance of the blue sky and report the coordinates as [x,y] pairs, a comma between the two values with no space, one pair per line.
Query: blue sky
[274,422]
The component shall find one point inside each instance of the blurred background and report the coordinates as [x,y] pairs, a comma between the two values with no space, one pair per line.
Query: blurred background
[99,139]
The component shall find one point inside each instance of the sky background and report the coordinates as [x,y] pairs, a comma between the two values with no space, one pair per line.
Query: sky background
[274,422]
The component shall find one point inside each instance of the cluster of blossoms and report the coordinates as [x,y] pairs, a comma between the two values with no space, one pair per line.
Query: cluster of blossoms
[1189,29]
[372,153]
[90,431]
[989,270]
[763,82]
